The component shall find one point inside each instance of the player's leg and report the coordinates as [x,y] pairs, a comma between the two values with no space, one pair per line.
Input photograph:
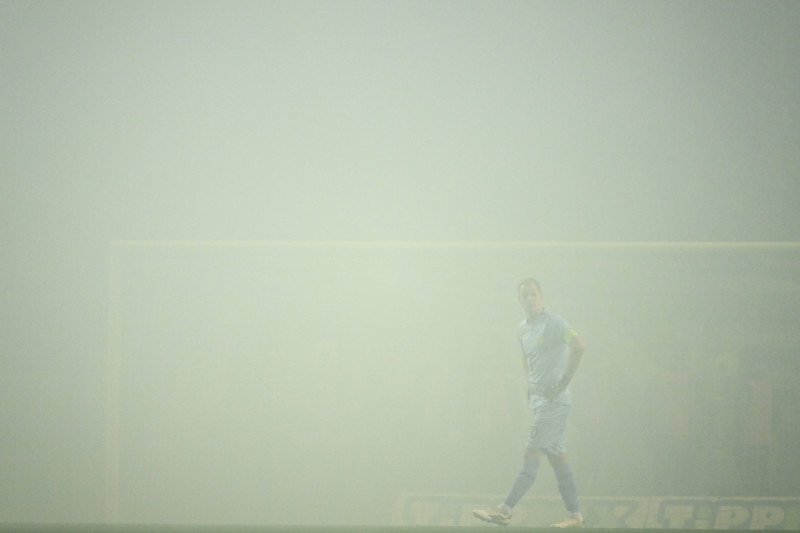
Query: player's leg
[568,490]
[557,456]
[525,478]
[501,514]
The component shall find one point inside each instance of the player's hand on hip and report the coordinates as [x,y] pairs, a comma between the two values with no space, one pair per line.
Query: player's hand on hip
[555,391]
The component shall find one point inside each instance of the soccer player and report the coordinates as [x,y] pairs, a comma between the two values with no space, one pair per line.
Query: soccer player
[551,351]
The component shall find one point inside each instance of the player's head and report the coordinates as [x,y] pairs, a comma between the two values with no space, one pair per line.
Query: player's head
[530,281]
[529,294]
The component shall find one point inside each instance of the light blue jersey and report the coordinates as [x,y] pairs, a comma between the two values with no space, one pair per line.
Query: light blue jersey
[544,345]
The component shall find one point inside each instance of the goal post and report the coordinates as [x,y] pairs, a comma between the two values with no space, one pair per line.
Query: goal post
[202,336]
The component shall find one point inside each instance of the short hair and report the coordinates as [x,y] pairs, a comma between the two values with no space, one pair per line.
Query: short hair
[529,281]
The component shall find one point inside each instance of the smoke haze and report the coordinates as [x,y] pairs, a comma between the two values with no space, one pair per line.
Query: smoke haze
[297,380]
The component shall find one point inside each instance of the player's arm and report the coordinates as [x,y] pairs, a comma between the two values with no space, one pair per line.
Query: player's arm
[575,349]
[574,355]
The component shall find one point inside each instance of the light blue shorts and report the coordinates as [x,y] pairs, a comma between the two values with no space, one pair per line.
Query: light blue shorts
[548,425]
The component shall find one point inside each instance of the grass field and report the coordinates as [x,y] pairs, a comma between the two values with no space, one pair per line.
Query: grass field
[210,528]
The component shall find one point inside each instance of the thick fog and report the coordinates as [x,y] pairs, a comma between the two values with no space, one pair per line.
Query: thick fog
[259,259]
